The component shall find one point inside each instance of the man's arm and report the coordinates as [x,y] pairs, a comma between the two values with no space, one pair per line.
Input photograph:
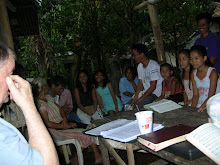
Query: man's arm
[140,87]
[39,138]
[153,85]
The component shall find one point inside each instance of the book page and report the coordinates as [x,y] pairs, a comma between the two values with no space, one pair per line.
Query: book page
[163,106]
[161,102]
[108,126]
[207,139]
[124,133]
[127,132]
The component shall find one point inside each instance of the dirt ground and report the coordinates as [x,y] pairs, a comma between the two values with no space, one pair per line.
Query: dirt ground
[140,158]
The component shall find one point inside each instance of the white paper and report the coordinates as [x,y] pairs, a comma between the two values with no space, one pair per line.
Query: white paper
[162,106]
[123,133]
[207,139]
[108,126]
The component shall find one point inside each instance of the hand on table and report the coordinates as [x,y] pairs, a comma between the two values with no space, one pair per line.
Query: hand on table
[201,109]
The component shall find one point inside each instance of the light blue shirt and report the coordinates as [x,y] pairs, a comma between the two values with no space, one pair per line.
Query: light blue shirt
[14,149]
[125,85]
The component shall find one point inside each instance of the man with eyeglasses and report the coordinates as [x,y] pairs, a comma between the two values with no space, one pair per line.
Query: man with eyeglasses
[208,39]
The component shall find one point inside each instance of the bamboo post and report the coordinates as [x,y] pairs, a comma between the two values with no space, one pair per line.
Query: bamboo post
[112,152]
[5,29]
[130,153]
[104,152]
[157,33]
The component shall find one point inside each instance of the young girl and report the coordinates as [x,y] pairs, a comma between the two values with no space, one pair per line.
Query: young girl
[104,88]
[204,78]
[184,62]
[171,87]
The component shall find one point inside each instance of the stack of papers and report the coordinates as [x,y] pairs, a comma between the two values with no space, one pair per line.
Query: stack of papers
[121,130]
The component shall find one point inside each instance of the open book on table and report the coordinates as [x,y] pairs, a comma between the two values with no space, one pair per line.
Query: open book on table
[121,130]
[207,139]
[162,106]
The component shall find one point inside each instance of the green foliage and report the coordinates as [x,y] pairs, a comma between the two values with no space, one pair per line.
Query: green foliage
[177,20]
[25,58]
[105,28]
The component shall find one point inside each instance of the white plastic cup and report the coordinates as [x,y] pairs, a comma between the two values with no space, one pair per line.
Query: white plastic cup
[145,121]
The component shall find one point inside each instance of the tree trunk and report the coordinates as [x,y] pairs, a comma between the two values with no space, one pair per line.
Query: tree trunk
[157,33]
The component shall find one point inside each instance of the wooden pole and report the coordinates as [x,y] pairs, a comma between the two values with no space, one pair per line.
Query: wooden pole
[157,33]
[130,154]
[112,152]
[104,152]
[5,29]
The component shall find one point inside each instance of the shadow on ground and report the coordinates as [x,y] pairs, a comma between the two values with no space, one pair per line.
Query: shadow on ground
[140,158]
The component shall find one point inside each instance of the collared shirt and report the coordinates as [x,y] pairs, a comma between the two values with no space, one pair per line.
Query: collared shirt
[14,149]
[66,98]
[212,44]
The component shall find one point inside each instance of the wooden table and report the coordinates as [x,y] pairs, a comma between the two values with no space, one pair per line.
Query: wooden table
[186,115]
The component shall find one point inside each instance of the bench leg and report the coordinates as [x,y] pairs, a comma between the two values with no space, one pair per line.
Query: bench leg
[79,152]
[65,152]
[68,150]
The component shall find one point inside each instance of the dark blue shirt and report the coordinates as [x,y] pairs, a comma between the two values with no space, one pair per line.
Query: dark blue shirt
[212,44]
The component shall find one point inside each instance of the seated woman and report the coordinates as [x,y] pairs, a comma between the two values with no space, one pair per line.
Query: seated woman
[128,85]
[56,121]
[111,103]
[86,99]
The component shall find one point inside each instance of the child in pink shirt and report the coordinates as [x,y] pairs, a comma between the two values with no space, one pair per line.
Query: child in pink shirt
[171,87]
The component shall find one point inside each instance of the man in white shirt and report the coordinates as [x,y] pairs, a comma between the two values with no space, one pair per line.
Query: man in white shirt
[150,80]
[14,149]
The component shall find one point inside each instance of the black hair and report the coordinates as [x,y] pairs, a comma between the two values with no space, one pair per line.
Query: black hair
[186,52]
[201,50]
[88,83]
[140,48]
[105,80]
[19,70]
[167,65]
[57,80]
[206,16]
[133,71]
